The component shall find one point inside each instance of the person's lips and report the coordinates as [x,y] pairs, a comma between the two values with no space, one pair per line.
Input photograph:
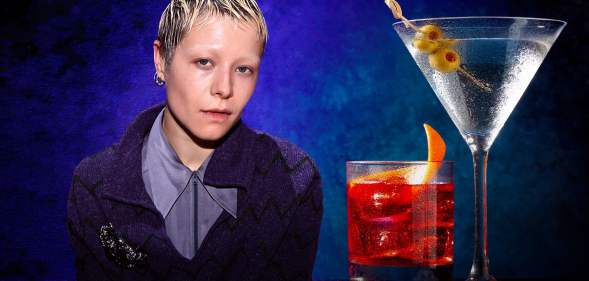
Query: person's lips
[216,114]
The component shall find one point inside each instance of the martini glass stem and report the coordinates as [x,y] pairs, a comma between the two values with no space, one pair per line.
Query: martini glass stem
[480,263]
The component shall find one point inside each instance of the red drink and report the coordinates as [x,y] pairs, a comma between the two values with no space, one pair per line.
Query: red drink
[393,223]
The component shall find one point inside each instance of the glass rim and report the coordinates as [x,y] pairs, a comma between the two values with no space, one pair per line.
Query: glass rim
[395,162]
[482,17]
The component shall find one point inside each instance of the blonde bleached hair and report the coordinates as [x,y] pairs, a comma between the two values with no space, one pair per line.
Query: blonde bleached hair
[180,16]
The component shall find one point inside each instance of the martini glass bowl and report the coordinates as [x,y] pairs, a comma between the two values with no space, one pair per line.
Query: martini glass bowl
[479,68]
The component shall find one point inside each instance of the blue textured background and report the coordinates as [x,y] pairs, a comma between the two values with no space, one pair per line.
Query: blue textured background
[336,80]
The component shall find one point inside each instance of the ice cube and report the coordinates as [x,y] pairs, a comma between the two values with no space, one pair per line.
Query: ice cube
[382,200]
[386,234]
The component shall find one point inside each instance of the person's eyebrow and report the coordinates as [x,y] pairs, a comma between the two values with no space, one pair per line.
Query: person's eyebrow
[249,59]
[212,48]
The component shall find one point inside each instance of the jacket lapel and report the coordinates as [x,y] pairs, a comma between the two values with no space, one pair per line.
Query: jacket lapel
[126,185]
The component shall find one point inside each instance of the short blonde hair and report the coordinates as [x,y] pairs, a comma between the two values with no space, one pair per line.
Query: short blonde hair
[180,15]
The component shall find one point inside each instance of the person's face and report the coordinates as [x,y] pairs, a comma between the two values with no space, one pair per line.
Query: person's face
[212,76]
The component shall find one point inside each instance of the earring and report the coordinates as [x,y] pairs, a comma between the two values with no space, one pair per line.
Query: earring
[158,81]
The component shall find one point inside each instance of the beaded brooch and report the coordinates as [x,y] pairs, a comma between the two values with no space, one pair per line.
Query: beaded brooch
[118,250]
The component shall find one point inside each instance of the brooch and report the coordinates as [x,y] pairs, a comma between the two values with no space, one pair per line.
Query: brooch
[118,250]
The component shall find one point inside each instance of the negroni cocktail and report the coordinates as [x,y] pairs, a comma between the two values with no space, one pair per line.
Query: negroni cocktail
[394,222]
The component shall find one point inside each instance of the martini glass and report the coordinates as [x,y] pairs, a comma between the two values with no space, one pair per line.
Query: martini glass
[498,58]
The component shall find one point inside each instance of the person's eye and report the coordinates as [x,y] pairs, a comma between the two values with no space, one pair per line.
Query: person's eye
[244,69]
[203,62]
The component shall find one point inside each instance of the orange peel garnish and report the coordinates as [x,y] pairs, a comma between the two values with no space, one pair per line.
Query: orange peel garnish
[436,147]
[436,150]
[391,176]
[419,174]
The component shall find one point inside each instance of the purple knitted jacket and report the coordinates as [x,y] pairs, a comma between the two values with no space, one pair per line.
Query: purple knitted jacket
[118,234]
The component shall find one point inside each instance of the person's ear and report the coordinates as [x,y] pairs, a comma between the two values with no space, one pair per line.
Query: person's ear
[160,65]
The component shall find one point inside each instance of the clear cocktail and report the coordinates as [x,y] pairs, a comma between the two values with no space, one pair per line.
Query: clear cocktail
[479,68]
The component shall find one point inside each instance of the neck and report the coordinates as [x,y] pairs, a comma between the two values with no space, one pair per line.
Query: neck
[191,150]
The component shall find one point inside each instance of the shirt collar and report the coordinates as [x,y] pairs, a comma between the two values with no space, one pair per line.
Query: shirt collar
[224,197]
[165,176]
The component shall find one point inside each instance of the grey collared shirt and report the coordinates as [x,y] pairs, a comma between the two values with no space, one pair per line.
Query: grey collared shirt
[188,206]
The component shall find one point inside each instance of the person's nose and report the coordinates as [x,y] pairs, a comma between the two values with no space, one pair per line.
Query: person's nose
[223,84]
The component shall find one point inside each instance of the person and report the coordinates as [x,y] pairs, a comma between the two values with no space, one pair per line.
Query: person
[191,192]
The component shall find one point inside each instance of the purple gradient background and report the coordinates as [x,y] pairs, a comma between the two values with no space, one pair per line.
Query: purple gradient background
[336,80]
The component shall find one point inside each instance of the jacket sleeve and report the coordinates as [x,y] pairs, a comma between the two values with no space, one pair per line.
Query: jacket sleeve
[82,228]
[295,257]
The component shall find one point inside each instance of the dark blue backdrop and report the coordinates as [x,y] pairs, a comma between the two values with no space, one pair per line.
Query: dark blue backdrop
[336,80]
